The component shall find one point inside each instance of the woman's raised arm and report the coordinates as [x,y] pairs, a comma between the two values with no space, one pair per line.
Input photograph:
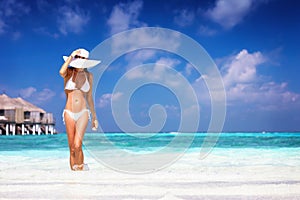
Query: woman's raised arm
[64,67]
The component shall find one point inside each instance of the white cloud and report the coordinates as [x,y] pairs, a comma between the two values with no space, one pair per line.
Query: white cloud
[173,110]
[27,92]
[142,55]
[72,20]
[206,31]
[241,68]
[148,37]
[106,99]
[36,96]
[156,72]
[170,62]
[267,95]
[45,95]
[139,57]
[229,13]
[244,85]
[11,9]
[188,69]
[125,16]
[184,18]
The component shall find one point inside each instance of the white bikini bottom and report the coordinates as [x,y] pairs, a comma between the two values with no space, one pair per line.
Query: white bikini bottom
[77,115]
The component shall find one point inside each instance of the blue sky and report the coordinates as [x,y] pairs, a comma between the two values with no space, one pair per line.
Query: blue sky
[255,44]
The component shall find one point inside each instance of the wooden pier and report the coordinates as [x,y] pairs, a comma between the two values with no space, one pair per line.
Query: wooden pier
[19,117]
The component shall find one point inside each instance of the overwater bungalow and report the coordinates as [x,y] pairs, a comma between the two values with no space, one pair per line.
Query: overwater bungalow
[19,117]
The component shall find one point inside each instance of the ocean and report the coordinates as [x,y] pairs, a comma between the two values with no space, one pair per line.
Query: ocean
[141,141]
[275,148]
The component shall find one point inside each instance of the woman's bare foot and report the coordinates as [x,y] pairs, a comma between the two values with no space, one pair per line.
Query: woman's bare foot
[82,167]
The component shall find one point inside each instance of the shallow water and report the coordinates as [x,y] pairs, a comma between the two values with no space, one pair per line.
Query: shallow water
[139,141]
[250,148]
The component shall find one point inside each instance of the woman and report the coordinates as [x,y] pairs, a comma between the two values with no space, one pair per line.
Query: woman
[78,88]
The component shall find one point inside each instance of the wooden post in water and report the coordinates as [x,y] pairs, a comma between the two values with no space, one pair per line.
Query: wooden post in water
[39,129]
[6,129]
[52,130]
[23,129]
[14,129]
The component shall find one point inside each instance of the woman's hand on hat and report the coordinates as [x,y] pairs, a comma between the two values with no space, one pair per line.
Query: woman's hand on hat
[75,53]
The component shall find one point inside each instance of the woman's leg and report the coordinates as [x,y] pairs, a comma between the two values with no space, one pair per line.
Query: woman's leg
[81,125]
[71,130]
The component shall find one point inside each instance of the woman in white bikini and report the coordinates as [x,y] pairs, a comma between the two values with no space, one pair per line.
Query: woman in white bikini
[78,88]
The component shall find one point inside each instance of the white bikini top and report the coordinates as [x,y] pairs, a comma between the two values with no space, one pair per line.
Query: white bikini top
[70,85]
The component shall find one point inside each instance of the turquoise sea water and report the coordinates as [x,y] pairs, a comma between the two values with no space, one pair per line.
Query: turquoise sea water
[231,149]
[124,141]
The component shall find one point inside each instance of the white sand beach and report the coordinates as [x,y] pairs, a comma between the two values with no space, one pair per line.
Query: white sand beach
[219,176]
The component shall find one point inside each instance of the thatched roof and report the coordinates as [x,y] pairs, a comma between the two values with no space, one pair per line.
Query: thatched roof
[7,103]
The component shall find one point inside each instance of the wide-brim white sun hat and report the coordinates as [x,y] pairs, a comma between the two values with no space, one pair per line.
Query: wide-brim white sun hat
[83,60]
